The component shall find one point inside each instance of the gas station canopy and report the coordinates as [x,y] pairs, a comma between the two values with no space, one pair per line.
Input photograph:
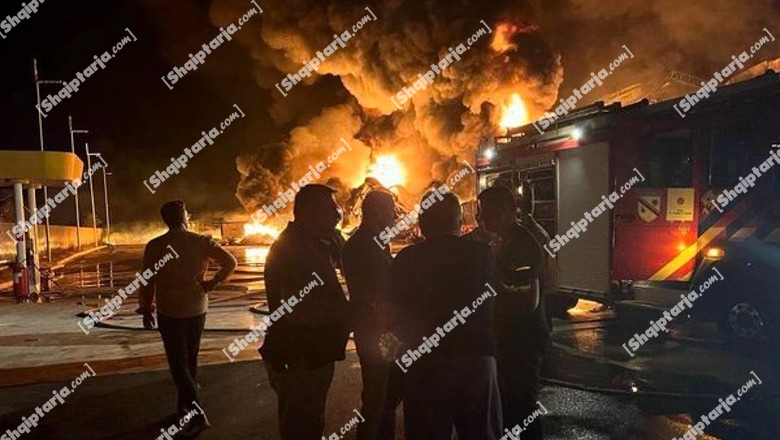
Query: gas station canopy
[44,168]
[33,169]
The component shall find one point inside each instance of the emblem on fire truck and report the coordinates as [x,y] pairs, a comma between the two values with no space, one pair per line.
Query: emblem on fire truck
[706,203]
[648,208]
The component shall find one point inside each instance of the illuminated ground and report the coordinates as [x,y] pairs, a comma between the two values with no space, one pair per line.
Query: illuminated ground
[676,377]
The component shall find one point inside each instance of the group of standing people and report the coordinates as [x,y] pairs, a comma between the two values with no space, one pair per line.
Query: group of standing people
[482,379]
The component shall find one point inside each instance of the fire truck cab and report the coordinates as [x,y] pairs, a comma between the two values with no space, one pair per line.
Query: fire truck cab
[666,231]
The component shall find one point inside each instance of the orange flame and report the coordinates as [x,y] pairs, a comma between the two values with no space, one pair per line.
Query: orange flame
[502,40]
[504,35]
[388,171]
[254,228]
[514,114]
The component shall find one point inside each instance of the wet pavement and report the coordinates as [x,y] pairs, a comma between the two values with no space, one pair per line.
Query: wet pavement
[596,389]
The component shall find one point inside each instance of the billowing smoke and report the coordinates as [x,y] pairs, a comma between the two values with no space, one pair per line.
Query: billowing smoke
[695,36]
[439,127]
[258,178]
[434,131]
[349,96]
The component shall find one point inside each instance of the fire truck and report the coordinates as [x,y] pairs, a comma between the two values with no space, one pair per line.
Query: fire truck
[663,236]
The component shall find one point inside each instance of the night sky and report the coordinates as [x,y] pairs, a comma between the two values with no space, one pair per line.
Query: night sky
[136,122]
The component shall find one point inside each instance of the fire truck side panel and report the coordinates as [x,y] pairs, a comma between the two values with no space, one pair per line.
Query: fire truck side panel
[655,221]
[667,234]
[584,261]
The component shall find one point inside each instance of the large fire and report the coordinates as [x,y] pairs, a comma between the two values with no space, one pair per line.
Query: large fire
[514,114]
[388,171]
[257,238]
[254,228]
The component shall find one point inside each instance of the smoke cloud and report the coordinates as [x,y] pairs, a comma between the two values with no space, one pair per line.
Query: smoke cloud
[696,37]
[438,127]
[531,41]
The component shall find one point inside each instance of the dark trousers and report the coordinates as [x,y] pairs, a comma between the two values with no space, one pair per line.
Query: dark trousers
[302,394]
[460,392]
[520,360]
[382,389]
[181,338]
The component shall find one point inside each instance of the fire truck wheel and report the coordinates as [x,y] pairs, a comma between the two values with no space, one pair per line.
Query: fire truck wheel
[743,321]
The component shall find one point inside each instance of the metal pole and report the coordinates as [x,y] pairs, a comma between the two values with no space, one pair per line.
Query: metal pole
[35,278]
[40,137]
[21,247]
[91,194]
[76,194]
[105,199]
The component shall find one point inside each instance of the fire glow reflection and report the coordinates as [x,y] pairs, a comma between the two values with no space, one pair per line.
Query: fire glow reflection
[256,255]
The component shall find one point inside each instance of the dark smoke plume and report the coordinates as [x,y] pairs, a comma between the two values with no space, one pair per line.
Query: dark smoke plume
[439,126]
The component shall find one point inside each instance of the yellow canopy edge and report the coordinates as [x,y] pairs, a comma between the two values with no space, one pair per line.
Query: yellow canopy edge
[44,168]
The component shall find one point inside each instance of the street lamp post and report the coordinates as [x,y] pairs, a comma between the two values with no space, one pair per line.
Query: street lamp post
[105,196]
[38,83]
[35,276]
[76,193]
[91,194]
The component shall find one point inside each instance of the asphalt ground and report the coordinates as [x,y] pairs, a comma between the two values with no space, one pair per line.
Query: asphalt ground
[594,388]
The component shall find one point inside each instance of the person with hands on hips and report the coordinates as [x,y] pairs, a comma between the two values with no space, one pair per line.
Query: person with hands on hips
[179,260]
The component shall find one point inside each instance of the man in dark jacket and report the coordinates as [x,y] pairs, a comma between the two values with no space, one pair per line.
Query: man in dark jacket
[367,270]
[302,345]
[521,327]
[444,319]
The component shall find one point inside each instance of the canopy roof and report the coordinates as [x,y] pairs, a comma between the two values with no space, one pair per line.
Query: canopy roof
[39,168]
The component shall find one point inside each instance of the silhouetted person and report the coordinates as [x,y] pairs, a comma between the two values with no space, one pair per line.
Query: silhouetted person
[434,288]
[182,300]
[548,276]
[367,270]
[521,327]
[301,347]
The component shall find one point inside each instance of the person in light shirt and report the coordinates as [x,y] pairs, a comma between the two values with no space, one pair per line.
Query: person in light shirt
[181,294]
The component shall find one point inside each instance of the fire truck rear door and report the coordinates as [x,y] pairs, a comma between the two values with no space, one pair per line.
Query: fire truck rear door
[583,177]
